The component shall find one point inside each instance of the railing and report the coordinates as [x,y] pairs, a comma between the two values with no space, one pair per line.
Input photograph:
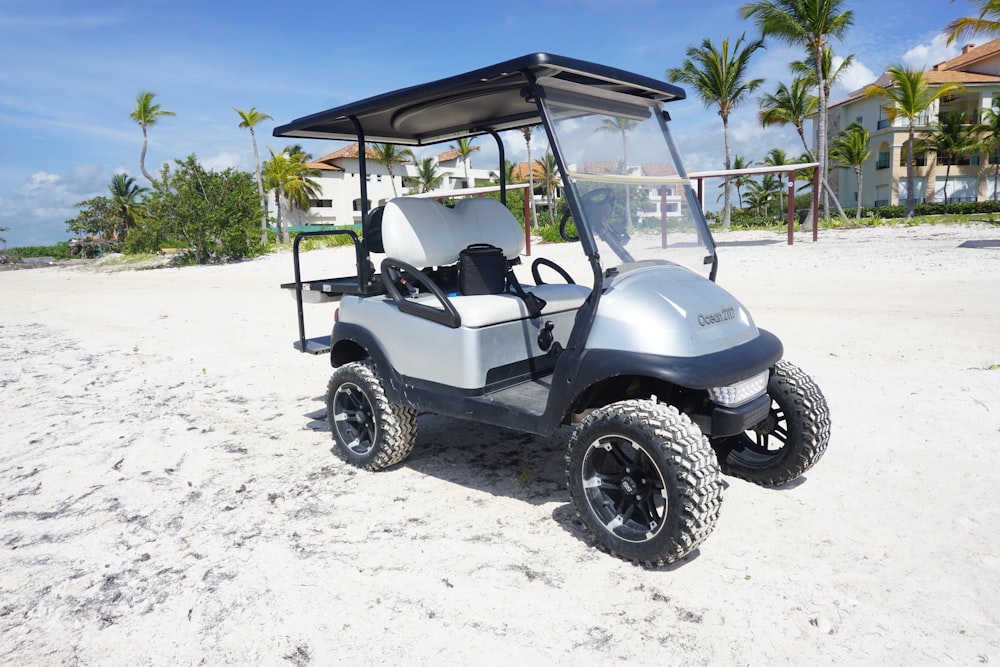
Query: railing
[884,123]
[920,161]
[958,200]
[881,202]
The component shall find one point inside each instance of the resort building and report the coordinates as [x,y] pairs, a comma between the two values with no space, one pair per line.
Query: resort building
[884,180]
[338,200]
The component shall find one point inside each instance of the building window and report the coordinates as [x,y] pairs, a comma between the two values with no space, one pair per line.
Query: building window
[858,120]
[883,161]
[321,203]
[357,204]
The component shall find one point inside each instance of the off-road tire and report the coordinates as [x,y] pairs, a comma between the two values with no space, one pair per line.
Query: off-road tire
[789,441]
[644,480]
[368,431]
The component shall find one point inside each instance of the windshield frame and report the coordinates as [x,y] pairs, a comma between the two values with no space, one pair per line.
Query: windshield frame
[561,100]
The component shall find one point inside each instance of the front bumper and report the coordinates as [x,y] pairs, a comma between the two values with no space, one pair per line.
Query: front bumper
[723,421]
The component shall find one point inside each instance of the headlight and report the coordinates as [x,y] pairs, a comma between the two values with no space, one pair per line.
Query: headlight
[738,393]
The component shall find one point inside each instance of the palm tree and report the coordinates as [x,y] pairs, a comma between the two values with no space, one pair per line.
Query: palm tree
[621,126]
[718,76]
[851,149]
[125,195]
[428,177]
[807,23]
[146,114]
[465,149]
[776,158]
[909,95]
[988,131]
[289,177]
[988,23]
[248,119]
[761,193]
[550,172]
[526,131]
[739,182]
[390,154]
[789,105]
[806,69]
[950,139]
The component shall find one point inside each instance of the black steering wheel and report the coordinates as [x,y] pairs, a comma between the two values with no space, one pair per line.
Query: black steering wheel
[598,205]
[544,261]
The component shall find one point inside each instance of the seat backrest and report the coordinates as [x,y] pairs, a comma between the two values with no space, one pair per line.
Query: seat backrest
[423,232]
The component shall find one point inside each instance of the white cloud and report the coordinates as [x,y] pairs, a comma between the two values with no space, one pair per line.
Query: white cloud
[37,212]
[226,159]
[925,56]
[857,75]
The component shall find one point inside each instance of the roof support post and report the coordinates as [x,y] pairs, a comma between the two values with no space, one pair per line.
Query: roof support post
[791,205]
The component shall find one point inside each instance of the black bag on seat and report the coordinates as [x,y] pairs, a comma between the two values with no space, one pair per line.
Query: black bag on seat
[482,269]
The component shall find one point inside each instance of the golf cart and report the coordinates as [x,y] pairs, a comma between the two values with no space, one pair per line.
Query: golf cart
[663,375]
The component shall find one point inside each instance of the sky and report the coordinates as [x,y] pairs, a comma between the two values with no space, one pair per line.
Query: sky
[70,72]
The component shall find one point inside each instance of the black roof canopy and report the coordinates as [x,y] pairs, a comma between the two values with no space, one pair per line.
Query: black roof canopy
[490,98]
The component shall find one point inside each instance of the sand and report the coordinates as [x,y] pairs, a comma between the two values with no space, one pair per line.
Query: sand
[168,495]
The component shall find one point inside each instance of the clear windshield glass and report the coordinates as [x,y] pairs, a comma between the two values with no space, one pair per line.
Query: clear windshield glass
[631,186]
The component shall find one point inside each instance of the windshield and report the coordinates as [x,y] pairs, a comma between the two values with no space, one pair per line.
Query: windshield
[626,176]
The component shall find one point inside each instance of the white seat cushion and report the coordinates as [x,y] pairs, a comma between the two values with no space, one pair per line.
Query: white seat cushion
[424,233]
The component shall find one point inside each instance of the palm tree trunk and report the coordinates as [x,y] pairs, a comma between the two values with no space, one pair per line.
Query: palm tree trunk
[392,179]
[260,189]
[947,175]
[142,157]
[821,123]
[727,204]
[910,204]
[857,212]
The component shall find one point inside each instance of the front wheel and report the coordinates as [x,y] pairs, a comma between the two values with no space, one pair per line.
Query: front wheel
[644,481]
[368,430]
[789,441]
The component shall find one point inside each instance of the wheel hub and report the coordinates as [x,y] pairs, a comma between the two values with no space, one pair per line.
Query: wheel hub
[629,486]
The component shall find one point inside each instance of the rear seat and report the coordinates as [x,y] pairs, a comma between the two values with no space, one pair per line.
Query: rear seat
[424,233]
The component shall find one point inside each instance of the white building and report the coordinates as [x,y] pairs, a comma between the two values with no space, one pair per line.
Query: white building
[338,200]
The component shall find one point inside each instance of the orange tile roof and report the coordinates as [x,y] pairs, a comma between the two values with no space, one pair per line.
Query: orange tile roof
[448,155]
[349,151]
[521,171]
[970,54]
[323,166]
[658,169]
[599,167]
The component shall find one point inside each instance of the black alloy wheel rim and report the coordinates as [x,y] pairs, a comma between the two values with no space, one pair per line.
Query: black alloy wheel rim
[354,419]
[624,488]
[769,436]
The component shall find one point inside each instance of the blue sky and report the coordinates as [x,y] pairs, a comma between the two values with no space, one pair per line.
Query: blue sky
[70,72]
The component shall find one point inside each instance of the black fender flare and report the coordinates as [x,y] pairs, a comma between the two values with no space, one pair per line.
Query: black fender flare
[344,332]
[716,369]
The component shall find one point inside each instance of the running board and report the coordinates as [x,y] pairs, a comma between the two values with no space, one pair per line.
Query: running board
[319,345]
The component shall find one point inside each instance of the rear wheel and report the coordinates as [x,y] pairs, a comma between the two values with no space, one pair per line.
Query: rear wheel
[368,430]
[789,441]
[644,481]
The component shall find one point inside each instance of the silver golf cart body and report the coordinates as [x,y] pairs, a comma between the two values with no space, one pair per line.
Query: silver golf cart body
[664,375]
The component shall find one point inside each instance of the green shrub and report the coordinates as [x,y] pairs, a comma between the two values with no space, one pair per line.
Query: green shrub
[57,251]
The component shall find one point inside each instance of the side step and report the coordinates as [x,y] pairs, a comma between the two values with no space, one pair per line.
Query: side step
[318,345]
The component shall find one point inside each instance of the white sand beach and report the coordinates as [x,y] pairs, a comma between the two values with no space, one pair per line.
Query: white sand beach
[168,494]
